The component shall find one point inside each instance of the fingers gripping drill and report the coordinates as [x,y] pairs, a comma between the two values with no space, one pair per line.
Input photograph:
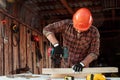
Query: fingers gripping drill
[56,58]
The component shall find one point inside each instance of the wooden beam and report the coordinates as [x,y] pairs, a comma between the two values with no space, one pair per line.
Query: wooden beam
[21,22]
[62,72]
[53,12]
[73,75]
[64,2]
[85,70]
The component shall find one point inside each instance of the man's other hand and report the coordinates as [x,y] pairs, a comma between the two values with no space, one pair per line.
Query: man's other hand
[78,67]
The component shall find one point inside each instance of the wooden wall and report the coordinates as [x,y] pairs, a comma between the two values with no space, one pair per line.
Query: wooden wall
[17,51]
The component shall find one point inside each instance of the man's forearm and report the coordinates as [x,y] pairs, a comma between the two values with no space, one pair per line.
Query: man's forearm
[51,37]
[89,59]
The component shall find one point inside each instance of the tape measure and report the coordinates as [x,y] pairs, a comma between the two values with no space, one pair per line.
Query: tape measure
[68,78]
[95,77]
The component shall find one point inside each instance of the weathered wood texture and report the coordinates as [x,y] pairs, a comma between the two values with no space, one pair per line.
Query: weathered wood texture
[62,72]
[91,70]
[17,51]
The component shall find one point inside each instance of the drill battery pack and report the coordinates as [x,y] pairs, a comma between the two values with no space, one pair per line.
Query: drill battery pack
[68,78]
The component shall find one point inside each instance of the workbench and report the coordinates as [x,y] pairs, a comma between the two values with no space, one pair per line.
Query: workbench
[60,73]
[41,77]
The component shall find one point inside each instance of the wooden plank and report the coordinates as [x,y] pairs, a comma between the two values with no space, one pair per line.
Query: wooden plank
[29,50]
[81,75]
[1,46]
[15,52]
[85,70]
[22,46]
[62,72]
[10,49]
[39,66]
[6,47]
[42,52]
[34,56]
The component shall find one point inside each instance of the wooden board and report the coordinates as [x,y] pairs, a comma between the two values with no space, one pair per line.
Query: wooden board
[62,72]
[85,70]
[73,75]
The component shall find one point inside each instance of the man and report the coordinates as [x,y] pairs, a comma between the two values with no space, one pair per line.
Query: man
[79,36]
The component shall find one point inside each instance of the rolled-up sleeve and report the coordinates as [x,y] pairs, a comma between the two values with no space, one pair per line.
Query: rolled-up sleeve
[95,43]
[55,27]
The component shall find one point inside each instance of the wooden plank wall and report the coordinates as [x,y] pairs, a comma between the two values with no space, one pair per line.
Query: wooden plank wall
[17,51]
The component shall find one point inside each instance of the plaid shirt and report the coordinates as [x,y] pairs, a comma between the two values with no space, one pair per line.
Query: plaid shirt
[78,44]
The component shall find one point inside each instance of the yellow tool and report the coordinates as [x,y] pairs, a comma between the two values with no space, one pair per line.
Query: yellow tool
[69,78]
[95,77]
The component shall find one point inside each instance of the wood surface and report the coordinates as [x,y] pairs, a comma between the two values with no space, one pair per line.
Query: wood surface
[62,72]
[17,54]
[85,70]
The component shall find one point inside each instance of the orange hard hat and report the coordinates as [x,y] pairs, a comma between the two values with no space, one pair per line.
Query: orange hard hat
[82,19]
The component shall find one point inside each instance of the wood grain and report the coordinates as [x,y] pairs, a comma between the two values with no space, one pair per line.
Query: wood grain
[62,72]
[85,70]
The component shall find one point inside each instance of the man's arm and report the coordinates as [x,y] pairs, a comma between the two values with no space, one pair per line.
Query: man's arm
[51,37]
[89,59]
[94,49]
[56,27]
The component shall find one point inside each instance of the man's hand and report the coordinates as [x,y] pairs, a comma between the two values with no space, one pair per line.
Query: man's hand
[78,67]
[57,55]
[58,49]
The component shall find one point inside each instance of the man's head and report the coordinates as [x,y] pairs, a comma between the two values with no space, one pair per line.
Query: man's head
[82,19]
